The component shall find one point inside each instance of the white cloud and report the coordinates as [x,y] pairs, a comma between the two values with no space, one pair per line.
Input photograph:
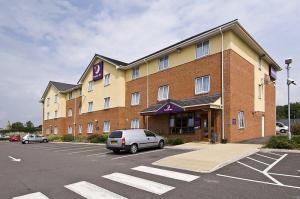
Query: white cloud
[43,40]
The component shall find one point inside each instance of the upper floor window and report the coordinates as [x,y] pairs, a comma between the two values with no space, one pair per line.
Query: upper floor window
[135,98]
[80,92]
[106,79]
[259,63]
[202,49]
[260,89]
[71,95]
[56,98]
[241,119]
[135,124]
[80,110]
[106,126]
[106,102]
[70,112]
[202,85]
[163,93]
[48,101]
[135,72]
[90,86]
[164,62]
[55,114]
[90,107]
[90,127]
[48,116]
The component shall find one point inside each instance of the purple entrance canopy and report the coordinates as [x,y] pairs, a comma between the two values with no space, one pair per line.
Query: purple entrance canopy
[169,108]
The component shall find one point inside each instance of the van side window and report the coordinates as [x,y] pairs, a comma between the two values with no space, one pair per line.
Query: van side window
[149,134]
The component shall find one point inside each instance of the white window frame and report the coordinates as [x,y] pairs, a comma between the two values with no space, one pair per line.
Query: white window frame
[202,91]
[107,79]
[80,110]
[135,123]
[80,128]
[90,127]
[56,98]
[48,115]
[259,63]
[241,119]
[135,99]
[200,47]
[136,72]
[160,97]
[70,112]
[90,106]
[70,95]
[90,86]
[106,102]
[55,130]
[106,126]
[55,114]
[48,101]
[70,129]
[163,63]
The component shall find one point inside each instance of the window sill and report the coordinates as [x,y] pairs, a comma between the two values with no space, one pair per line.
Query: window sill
[202,93]
[133,105]
[202,56]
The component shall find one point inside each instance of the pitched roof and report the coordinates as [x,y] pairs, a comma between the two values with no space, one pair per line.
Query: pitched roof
[63,86]
[195,101]
[116,62]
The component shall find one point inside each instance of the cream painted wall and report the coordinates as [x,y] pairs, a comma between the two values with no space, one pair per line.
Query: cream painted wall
[116,89]
[60,106]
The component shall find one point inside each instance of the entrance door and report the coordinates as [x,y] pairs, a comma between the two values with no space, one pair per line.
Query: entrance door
[263,126]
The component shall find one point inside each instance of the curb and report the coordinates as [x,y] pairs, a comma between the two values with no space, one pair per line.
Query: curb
[78,143]
[280,150]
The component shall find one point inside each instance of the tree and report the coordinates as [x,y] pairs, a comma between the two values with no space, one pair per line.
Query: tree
[29,125]
[18,126]
[282,111]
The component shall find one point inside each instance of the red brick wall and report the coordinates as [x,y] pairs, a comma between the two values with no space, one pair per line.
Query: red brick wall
[270,109]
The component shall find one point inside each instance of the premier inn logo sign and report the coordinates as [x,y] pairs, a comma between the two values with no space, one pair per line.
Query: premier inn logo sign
[98,71]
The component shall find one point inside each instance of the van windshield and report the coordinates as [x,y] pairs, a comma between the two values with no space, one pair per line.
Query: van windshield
[115,134]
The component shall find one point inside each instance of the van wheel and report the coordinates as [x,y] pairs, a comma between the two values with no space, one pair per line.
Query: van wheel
[161,144]
[133,149]
[26,142]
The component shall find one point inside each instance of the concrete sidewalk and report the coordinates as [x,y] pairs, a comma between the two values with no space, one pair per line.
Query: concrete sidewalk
[207,157]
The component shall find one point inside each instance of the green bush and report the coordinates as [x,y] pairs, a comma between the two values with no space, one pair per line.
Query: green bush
[281,142]
[296,129]
[296,140]
[80,138]
[98,138]
[67,138]
[54,138]
[176,141]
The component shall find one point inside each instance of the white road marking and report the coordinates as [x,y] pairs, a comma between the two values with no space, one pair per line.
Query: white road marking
[125,156]
[84,151]
[270,183]
[271,166]
[14,159]
[249,167]
[166,173]
[37,195]
[274,153]
[140,183]
[265,156]
[257,161]
[91,191]
[280,174]
[97,154]
[76,148]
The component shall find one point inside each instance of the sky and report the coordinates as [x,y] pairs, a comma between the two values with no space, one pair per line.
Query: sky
[42,40]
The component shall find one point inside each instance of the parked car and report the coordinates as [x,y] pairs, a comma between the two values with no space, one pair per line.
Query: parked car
[132,140]
[15,138]
[29,138]
[4,137]
[281,128]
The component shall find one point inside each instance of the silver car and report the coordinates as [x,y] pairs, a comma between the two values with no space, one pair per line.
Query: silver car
[29,138]
[134,139]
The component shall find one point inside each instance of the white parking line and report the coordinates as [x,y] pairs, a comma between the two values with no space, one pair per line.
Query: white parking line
[97,154]
[91,191]
[280,174]
[125,156]
[265,156]
[249,167]
[84,151]
[274,153]
[140,183]
[37,195]
[71,149]
[166,173]
[257,161]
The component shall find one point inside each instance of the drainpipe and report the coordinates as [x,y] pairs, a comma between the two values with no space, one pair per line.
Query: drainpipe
[147,91]
[222,79]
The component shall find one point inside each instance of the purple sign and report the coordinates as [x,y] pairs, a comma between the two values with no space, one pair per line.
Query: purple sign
[98,71]
[169,108]
[272,73]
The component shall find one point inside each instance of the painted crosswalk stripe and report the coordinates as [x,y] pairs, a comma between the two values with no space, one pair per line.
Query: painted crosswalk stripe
[167,173]
[91,191]
[37,195]
[139,183]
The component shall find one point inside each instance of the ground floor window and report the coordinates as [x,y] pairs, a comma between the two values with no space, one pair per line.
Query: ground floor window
[241,119]
[80,128]
[55,130]
[90,127]
[183,123]
[135,124]
[70,129]
[106,126]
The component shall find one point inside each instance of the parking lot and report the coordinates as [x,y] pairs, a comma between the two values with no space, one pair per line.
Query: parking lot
[57,170]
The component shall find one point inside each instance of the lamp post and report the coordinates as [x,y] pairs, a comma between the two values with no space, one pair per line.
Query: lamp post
[289,82]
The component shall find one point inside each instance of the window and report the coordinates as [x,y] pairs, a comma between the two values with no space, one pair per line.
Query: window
[70,129]
[135,99]
[106,126]
[90,86]
[90,107]
[202,49]
[163,93]
[106,79]
[163,62]
[48,116]
[259,63]
[202,85]
[135,72]
[106,102]
[260,89]
[149,133]
[55,130]
[80,92]
[90,127]
[241,119]
[70,112]
[70,95]
[56,98]
[135,124]
[80,128]
[48,101]
[80,110]
[55,114]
